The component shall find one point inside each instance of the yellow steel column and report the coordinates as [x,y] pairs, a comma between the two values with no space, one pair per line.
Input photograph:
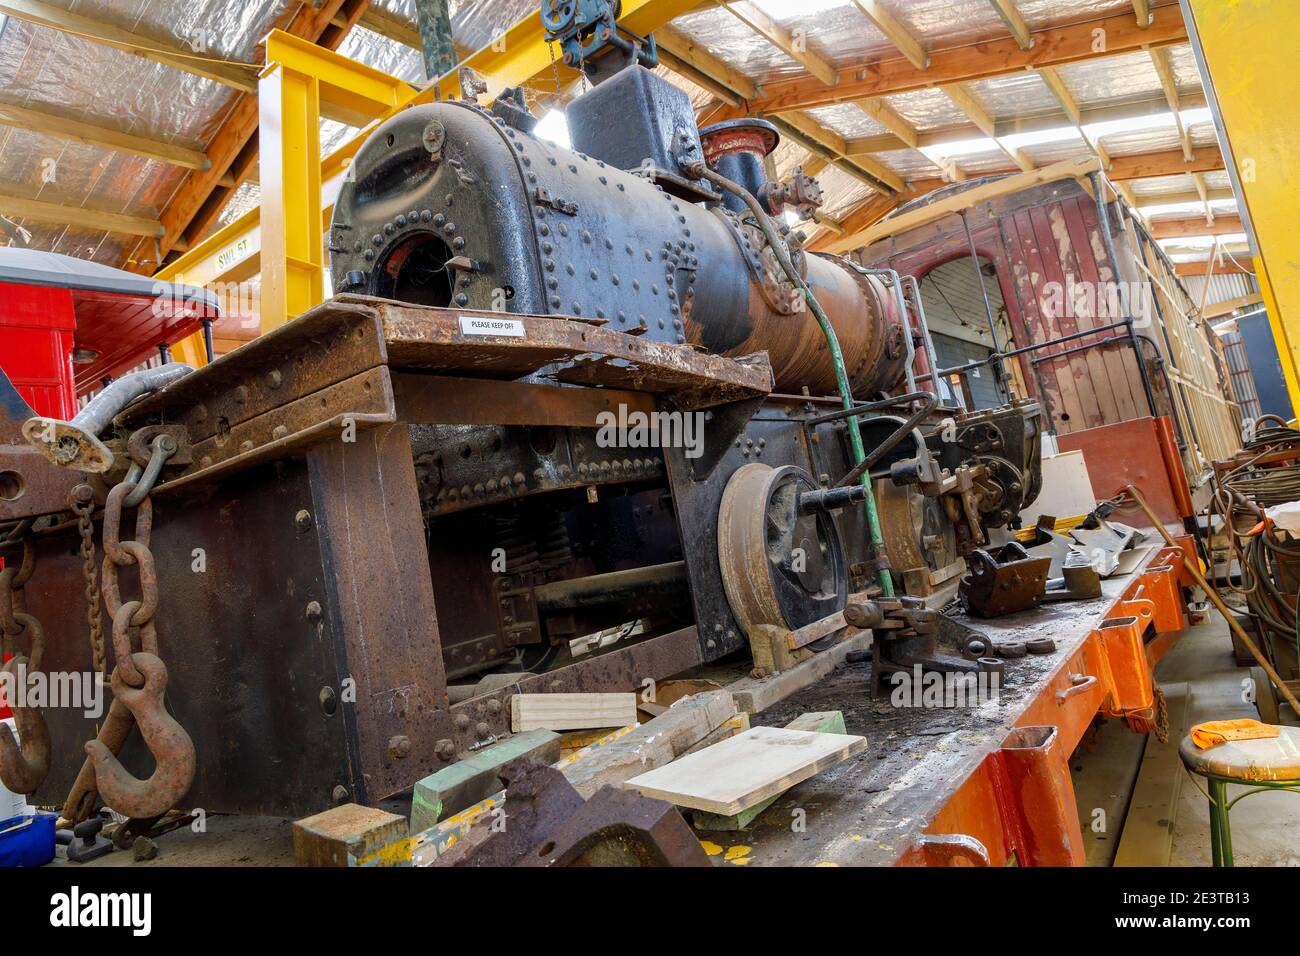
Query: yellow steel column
[299,80]
[293,252]
[1246,49]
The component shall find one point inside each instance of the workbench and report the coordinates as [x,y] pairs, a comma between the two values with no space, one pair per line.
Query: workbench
[924,769]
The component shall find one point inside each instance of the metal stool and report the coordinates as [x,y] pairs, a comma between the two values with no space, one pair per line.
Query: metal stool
[1272,764]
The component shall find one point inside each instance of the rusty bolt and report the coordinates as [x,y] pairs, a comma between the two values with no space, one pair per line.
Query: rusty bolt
[462,721]
[313,611]
[399,746]
[279,431]
[445,749]
[481,729]
[241,394]
[274,378]
[494,706]
[302,520]
[83,494]
[329,704]
[341,794]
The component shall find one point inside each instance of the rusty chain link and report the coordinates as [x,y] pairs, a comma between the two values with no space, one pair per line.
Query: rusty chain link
[139,678]
[1162,716]
[82,502]
[119,554]
[23,767]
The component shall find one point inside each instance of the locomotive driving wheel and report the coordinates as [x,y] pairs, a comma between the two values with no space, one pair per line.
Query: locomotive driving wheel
[779,566]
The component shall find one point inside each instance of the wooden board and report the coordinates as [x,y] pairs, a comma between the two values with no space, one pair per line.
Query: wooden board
[820,722]
[571,711]
[754,695]
[1148,834]
[746,769]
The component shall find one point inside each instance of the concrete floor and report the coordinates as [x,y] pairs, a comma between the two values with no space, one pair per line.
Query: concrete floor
[1265,827]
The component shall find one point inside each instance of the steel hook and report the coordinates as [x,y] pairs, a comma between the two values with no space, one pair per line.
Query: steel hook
[23,767]
[172,749]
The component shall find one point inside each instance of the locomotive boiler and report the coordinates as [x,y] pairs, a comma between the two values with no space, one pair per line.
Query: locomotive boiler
[652,228]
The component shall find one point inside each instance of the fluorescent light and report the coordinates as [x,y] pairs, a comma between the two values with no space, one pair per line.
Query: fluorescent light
[553,128]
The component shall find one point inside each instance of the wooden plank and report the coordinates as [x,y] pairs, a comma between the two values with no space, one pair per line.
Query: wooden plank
[754,695]
[474,777]
[1069,43]
[571,711]
[1195,226]
[42,211]
[1228,306]
[781,38]
[818,722]
[239,76]
[896,33]
[1016,24]
[747,769]
[1148,834]
[653,744]
[52,124]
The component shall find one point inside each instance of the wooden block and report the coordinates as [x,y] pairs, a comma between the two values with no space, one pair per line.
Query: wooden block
[728,728]
[736,774]
[352,835]
[474,778]
[754,696]
[652,744]
[571,711]
[818,722]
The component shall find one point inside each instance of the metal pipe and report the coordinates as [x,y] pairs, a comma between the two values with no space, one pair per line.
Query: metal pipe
[927,338]
[862,471]
[976,363]
[76,444]
[866,407]
[207,341]
[999,369]
[702,171]
[609,588]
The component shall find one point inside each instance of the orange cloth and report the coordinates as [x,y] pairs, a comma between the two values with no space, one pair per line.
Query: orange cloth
[1215,732]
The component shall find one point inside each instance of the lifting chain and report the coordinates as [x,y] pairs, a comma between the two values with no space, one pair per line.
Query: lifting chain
[1162,716]
[139,679]
[23,767]
[82,502]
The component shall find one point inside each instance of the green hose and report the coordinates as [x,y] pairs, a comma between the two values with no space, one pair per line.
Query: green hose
[837,358]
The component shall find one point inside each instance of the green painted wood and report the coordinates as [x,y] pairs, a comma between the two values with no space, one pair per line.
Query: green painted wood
[474,778]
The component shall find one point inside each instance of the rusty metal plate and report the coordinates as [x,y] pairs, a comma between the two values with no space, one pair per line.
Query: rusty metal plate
[432,339]
[445,399]
[324,346]
[363,401]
